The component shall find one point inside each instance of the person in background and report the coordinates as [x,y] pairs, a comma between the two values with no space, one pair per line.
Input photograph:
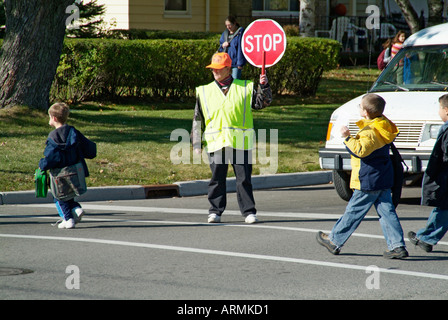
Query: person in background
[397,43]
[230,43]
[387,46]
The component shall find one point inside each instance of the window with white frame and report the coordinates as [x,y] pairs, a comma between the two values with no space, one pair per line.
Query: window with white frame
[177,7]
[275,5]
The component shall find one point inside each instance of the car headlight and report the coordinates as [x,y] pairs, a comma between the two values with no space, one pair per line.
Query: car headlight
[434,130]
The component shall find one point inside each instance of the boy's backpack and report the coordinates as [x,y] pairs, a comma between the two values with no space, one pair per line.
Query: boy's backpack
[397,161]
[68,182]
[41,183]
[380,61]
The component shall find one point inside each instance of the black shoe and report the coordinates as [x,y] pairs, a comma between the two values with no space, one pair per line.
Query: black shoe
[323,240]
[396,253]
[414,240]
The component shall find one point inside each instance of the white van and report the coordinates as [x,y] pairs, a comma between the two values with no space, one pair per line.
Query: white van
[411,84]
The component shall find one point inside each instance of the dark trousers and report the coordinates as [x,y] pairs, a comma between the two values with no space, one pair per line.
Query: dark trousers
[65,208]
[242,166]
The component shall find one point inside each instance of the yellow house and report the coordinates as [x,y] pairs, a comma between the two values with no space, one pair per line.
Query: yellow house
[186,15]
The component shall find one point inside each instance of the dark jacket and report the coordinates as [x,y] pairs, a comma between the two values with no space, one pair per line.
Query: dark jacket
[234,49]
[66,146]
[435,179]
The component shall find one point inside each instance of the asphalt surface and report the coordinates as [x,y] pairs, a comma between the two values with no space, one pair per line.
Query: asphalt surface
[163,249]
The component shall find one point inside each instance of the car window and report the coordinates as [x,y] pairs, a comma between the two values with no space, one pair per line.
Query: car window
[422,68]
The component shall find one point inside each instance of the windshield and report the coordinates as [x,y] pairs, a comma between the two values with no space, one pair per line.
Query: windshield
[422,68]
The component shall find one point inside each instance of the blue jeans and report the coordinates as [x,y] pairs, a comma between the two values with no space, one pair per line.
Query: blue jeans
[65,208]
[236,73]
[358,206]
[436,227]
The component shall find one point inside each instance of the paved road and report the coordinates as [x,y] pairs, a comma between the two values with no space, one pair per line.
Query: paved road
[164,249]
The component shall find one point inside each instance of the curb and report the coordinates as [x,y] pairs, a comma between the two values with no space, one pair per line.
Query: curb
[178,189]
[284,180]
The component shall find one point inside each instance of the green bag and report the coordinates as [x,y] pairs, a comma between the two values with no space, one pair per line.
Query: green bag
[41,180]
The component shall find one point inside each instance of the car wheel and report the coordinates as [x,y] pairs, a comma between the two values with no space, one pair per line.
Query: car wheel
[341,181]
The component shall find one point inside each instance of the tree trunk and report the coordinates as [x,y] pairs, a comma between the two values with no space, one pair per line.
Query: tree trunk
[31,49]
[409,14]
[307,17]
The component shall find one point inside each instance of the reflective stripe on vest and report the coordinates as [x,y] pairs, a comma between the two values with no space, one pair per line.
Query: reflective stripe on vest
[228,118]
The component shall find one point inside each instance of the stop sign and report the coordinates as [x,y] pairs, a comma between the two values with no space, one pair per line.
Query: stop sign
[263,36]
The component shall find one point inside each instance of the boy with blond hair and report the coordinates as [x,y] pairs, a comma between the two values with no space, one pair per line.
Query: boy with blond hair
[371,179]
[66,146]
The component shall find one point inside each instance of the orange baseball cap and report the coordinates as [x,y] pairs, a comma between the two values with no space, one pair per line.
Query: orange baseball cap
[220,60]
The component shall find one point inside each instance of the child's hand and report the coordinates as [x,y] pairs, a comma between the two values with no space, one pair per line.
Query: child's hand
[345,132]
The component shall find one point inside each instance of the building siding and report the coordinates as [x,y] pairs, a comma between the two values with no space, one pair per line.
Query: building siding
[117,13]
[150,15]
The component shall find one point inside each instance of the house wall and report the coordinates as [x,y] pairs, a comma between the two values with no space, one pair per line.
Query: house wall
[150,15]
[117,13]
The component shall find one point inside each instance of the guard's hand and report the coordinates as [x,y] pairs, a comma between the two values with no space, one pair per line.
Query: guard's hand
[263,79]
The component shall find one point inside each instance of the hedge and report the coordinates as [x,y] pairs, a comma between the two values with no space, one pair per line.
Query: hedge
[100,69]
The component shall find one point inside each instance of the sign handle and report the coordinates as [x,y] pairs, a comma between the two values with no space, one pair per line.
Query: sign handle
[263,62]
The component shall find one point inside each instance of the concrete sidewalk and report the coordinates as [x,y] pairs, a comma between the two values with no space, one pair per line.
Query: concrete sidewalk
[178,189]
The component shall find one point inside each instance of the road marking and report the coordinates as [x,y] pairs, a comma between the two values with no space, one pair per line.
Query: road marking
[231,254]
[260,225]
[203,212]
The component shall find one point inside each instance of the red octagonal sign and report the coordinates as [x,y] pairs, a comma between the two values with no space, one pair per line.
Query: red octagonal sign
[263,35]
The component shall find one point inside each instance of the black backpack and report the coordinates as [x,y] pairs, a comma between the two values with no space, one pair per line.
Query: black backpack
[397,161]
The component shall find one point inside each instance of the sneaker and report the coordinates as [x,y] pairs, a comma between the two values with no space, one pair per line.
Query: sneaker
[251,218]
[415,241]
[324,240]
[77,214]
[396,253]
[214,218]
[67,224]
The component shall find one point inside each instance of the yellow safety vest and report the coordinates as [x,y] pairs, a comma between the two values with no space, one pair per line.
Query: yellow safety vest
[228,118]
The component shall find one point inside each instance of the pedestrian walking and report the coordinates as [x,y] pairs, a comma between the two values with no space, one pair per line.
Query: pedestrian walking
[372,177]
[435,188]
[66,146]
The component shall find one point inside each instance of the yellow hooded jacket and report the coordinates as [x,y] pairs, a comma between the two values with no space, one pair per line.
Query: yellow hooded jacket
[370,160]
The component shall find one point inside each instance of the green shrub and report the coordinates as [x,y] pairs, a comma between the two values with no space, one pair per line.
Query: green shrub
[301,67]
[111,68]
[292,30]
[135,34]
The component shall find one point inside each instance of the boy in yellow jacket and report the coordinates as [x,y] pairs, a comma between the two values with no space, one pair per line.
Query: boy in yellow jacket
[371,179]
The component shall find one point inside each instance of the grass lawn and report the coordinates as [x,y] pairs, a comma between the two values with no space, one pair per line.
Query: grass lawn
[134,145]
